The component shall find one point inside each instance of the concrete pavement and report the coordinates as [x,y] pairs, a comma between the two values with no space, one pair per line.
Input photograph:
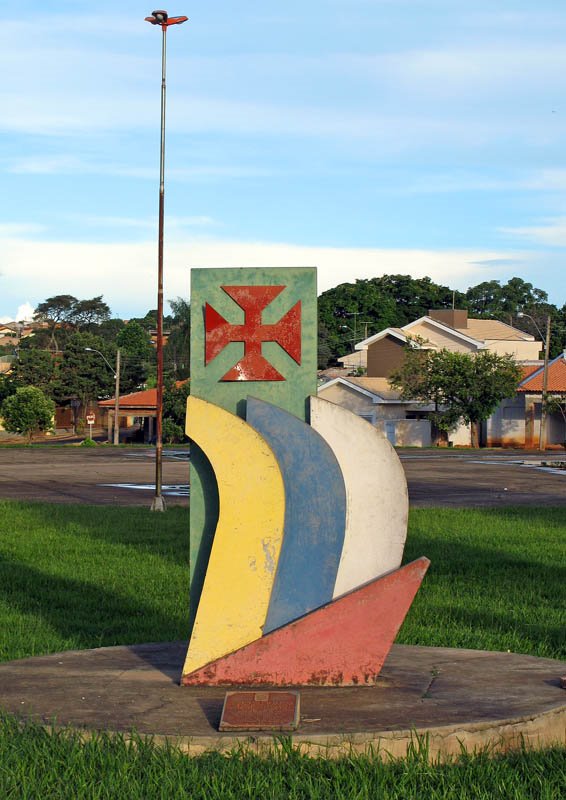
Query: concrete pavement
[454,697]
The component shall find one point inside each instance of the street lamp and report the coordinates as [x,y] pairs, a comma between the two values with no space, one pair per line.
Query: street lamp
[164,20]
[116,389]
[542,435]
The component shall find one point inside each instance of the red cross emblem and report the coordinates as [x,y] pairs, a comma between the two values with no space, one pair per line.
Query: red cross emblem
[253,300]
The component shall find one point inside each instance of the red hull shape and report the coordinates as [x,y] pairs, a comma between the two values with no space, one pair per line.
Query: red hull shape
[343,643]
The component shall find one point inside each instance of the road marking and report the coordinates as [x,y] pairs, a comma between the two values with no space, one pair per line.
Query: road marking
[173,455]
[170,490]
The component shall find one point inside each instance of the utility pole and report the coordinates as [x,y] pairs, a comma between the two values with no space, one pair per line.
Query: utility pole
[542,438]
[117,400]
[542,433]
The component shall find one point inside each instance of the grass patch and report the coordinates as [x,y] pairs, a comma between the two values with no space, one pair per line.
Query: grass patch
[77,576]
[38,763]
[497,579]
[73,577]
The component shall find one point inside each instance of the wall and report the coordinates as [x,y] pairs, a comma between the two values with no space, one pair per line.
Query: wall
[347,398]
[506,426]
[384,356]
[406,432]
[354,360]
[454,317]
[440,338]
[461,436]
[555,430]
[521,351]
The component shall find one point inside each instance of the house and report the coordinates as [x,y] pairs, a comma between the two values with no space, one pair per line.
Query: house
[449,329]
[358,360]
[9,332]
[405,422]
[137,405]
[516,423]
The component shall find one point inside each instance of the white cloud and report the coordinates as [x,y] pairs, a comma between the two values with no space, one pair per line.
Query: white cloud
[125,273]
[456,181]
[552,232]
[24,312]
[16,229]
[44,164]
[400,98]
[149,223]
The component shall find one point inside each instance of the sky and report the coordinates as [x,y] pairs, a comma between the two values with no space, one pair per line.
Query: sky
[363,137]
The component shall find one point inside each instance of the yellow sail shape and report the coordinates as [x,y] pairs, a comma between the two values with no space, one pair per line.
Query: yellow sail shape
[247,542]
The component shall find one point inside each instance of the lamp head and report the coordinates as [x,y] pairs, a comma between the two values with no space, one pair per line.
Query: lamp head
[162,18]
[158,18]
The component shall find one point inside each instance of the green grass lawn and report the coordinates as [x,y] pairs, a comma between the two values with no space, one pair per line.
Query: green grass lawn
[59,766]
[76,577]
[79,576]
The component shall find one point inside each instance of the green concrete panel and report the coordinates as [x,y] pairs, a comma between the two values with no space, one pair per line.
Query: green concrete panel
[290,394]
[300,380]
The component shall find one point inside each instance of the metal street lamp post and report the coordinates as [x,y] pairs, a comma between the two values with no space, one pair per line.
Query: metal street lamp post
[542,435]
[164,20]
[116,389]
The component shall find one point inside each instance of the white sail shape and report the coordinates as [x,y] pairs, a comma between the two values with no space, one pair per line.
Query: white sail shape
[377,503]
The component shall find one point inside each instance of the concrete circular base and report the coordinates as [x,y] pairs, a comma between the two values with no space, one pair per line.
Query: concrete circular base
[453,697]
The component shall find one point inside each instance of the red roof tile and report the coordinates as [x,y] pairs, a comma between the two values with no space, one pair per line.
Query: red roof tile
[144,399]
[556,378]
[528,369]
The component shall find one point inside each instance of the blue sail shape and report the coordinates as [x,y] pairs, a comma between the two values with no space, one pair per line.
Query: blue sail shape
[315,513]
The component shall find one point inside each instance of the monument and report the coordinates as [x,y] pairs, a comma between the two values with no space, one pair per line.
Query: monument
[299,508]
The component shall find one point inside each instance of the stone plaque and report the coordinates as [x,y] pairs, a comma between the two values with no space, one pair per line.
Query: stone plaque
[260,711]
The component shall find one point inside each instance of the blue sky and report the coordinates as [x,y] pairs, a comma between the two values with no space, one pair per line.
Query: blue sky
[424,137]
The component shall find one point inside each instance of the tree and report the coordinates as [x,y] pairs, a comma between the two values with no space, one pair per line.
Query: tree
[89,312]
[136,352]
[355,310]
[491,299]
[174,411]
[28,411]
[176,353]
[464,387]
[110,328]
[83,375]
[352,311]
[64,310]
[34,367]
[324,350]
[8,386]
[55,311]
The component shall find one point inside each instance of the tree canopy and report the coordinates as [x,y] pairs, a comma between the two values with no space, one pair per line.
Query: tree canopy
[174,412]
[136,356]
[350,312]
[65,311]
[28,411]
[176,353]
[463,387]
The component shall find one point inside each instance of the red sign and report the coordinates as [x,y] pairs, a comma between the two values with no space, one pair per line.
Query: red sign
[90,419]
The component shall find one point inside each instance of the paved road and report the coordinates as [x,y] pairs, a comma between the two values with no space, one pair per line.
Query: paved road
[490,478]
[101,475]
[124,476]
